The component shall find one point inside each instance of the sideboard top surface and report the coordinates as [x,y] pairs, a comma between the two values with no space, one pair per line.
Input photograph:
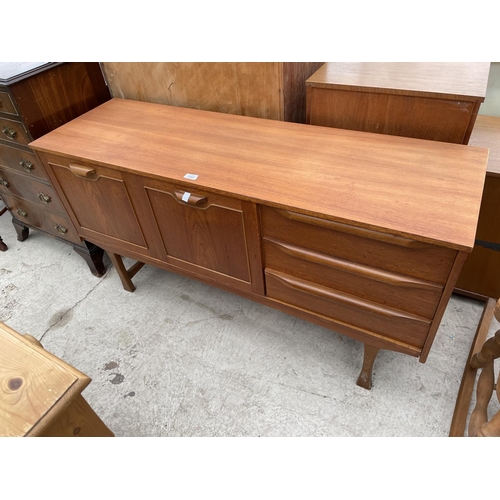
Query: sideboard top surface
[427,190]
[446,80]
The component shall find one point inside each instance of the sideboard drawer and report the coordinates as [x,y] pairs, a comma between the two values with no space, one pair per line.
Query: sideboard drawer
[6,104]
[347,309]
[30,189]
[406,293]
[40,218]
[23,161]
[364,246]
[14,131]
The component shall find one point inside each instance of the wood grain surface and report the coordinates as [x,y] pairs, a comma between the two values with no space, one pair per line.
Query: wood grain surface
[427,190]
[449,80]
[486,134]
[271,90]
[33,385]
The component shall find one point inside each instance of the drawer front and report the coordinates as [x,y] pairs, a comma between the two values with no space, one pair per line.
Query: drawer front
[370,248]
[14,131]
[347,309]
[30,189]
[6,104]
[22,161]
[394,290]
[35,216]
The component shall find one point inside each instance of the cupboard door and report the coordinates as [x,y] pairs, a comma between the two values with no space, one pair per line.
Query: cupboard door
[99,202]
[203,232]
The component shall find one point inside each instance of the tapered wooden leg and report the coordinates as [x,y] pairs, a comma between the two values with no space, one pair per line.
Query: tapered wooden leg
[22,231]
[93,256]
[3,246]
[365,377]
[124,274]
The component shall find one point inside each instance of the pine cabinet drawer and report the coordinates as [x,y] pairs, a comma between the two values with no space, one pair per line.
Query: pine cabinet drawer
[22,161]
[347,309]
[387,288]
[30,189]
[6,104]
[35,216]
[358,245]
[14,131]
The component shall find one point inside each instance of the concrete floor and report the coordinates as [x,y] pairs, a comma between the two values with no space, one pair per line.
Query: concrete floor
[181,358]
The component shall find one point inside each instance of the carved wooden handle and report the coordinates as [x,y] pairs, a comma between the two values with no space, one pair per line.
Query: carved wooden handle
[82,171]
[190,199]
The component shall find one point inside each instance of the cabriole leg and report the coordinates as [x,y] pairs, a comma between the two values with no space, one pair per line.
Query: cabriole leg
[365,377]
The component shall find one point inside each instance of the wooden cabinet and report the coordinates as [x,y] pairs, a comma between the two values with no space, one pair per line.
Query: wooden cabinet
[435,101]
[481,271]
[40,394]
[314,221]
[36,98]
[274,90]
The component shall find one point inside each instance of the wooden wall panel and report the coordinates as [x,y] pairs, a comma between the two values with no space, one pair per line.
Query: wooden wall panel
[250,89]
[273,90]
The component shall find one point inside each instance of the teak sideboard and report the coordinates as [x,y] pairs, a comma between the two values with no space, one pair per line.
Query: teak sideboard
[361,233]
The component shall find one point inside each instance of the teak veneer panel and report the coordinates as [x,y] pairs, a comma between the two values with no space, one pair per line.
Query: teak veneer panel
[374,181]
[432,101]
[445,80]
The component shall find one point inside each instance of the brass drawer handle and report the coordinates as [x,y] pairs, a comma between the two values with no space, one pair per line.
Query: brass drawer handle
[4,183]
[21,213]
[190,199]
[61,229]
[81,171]
[44,198]
[9,132]
[27,165]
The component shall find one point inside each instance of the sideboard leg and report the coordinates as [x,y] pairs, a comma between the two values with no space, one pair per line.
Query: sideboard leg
[22,231]
[365,377]
[3,246]
[122,272]
[92,255]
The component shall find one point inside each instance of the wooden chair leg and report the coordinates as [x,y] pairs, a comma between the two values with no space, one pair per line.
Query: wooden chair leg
[365,377]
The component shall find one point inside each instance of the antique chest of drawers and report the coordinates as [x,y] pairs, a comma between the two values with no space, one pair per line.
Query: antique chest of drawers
[435,101]
[361,233]
[36,98]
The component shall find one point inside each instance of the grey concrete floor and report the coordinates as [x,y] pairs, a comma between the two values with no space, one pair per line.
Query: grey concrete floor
[181,358]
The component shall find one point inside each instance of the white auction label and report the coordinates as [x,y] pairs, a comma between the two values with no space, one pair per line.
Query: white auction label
[185,196]
[193,177]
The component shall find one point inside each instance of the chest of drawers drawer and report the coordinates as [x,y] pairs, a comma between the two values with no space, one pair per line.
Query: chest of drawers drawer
[22,161]
[30,189]
[14,131]
[6,104]
[36,216]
